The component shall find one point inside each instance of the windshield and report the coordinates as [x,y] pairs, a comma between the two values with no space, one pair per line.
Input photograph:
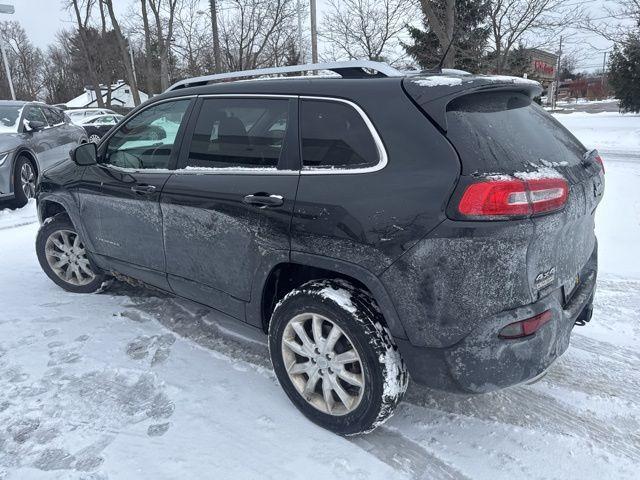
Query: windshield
[9,116]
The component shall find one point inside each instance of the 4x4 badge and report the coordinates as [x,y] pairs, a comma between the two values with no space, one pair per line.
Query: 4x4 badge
[544,279]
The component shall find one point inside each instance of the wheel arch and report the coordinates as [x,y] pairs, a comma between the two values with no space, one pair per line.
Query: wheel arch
[301,268]
[49,208]
[25,152]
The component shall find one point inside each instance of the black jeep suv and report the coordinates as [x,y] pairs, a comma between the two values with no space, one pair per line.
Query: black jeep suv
[372,225]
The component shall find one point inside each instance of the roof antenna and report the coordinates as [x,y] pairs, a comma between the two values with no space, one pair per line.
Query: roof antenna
[446,52]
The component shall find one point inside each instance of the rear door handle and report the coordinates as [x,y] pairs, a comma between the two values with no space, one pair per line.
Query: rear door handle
[143,189]
[264,200]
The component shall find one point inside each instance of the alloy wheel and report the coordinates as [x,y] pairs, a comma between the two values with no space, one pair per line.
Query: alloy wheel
[67,258]
[323,364]
[28,180]
[94,138]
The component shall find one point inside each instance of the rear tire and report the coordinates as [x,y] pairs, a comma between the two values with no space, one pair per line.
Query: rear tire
[348,380]
[24,181]
[63,257]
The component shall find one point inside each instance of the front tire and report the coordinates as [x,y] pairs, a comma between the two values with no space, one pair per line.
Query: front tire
[63,257]
[94,138]
[334,358]
[24,181]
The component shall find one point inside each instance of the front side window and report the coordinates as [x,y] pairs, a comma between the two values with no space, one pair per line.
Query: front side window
[54,117]
[35,114]
[147,140]
[239,133]
[334,135]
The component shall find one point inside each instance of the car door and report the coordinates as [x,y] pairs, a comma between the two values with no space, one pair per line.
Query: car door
[120,195]
[227,211]
[60,135]
[39,140]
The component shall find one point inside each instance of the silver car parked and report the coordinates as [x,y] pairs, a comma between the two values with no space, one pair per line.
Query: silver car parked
[33,137]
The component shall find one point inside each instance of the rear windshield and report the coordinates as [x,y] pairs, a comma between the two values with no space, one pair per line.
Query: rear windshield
[506,132]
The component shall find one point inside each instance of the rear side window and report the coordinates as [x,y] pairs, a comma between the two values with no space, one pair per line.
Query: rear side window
[239,133]
[334,135]
[506,132]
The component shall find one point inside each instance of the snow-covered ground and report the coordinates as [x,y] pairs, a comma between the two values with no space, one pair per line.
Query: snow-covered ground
[129,385]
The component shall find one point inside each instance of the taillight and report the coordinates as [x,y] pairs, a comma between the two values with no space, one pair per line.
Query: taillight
[527,327]
[505,198]
[598,159]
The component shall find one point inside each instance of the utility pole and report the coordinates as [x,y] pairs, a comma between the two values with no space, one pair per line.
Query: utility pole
[314,33]
[557,79]
[216,38]
[8,9]
[300,46]
[604,67]
[133,65]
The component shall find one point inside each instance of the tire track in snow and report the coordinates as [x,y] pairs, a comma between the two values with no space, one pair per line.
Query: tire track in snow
[406,456]
[620,354]
[528,408]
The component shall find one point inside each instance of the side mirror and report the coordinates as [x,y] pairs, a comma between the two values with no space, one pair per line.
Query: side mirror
[33,125]
[85,155]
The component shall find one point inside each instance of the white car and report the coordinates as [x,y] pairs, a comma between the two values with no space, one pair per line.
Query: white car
[78,115]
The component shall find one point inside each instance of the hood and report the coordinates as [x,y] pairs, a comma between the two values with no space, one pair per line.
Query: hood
[11,141]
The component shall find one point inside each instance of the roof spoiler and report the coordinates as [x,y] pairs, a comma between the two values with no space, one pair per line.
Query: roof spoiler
[434,100]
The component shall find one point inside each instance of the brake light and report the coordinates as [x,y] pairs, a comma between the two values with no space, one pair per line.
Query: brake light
[598,159]
[527,327]
[497,199]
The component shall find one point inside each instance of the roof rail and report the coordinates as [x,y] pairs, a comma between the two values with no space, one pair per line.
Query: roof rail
[350,69]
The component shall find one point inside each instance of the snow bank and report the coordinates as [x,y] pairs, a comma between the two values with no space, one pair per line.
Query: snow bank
[606,131]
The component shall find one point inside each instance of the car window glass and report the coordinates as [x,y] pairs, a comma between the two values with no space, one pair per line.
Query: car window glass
[35,114]
[239,133]
[147,140]
[334,135]
[53,117]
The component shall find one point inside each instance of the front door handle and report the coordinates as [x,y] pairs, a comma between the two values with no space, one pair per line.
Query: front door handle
[143,189]
[264,200]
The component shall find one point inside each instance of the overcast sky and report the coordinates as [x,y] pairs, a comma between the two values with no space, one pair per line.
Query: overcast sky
[43,18]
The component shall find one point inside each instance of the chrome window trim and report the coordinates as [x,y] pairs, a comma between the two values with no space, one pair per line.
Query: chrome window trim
[382,153]
[383,159]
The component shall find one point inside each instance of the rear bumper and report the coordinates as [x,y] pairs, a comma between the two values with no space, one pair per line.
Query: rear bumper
[482,362]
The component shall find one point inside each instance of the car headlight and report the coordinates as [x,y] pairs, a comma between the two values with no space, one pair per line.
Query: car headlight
[3,157]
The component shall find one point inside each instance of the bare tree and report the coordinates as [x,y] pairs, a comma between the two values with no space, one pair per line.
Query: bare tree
[147,47]
[164,13]
[441,17]
[59,80]
[25,62]
[122,45]
[80,6]
[192,45]
[615,23]
[217,57]
[254,32]
[369,29]
[538,21]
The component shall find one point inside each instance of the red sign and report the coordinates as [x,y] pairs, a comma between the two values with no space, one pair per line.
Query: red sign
[544,67]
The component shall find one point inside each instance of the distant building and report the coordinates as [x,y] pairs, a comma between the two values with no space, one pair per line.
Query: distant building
[541,66]
[121,97]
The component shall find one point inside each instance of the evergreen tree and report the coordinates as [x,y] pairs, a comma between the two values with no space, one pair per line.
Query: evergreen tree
[624,74]
[470,37]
